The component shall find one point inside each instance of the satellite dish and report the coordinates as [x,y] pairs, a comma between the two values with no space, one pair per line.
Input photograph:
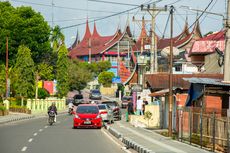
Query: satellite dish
[166,51]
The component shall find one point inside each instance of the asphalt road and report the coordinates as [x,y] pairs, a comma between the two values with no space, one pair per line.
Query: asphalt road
[36,136]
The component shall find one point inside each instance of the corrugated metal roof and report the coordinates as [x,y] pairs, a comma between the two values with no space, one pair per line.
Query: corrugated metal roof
[207,81]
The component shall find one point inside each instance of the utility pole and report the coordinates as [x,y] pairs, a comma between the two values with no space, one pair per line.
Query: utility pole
[227,48]
[170,75]
[7,67]
[90,50]
[154,11]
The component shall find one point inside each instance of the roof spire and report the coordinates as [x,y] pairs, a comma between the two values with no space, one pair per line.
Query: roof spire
[87,31]
[95,33]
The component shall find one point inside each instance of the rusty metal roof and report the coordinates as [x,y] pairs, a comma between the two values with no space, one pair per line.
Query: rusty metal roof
[160,81]
[207,81]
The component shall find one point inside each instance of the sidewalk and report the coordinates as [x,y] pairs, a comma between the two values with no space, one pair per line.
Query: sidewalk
[148,141]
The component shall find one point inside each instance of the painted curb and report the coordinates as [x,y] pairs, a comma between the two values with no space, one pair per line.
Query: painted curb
[128,142]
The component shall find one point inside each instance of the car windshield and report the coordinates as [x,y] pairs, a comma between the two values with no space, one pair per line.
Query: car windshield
[126,98]
[95,91]
[87,110]
[102,106]
[110,104]
[78,97]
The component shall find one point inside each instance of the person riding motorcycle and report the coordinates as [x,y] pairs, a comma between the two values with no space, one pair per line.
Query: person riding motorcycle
[53,108]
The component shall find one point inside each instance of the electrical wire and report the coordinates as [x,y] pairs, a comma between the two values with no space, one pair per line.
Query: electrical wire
[166,25]
[62,7]
[113,3]
[112,15]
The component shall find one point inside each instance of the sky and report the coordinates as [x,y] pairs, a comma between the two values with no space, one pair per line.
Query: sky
[74,12]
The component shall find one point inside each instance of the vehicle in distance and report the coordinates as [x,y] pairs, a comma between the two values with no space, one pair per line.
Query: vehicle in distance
[95,94]
[106,113]
[115,107]
[78,99]
[87,115]
[125,100]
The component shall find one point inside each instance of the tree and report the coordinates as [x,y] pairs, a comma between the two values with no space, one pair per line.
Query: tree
[105,78]
[79,75]
[24,73]
[57,38]
[103,66]
[23,26]
[45,71]
[62,71]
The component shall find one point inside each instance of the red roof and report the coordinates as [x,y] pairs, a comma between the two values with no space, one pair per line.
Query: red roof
[208,44]
[99,44]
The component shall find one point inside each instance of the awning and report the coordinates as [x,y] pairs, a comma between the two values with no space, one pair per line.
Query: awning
[159,93]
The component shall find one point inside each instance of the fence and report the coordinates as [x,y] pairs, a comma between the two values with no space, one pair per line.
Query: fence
[41,105]
[208,128]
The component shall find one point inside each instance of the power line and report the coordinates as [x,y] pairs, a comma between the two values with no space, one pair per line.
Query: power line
[116,3]
[112,15]
[62,7]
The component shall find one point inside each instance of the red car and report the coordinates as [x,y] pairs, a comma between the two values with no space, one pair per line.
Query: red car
[87,115]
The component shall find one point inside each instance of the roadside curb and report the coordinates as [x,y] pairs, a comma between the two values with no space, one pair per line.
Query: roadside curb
[20,118]
[128,142]
[13,119]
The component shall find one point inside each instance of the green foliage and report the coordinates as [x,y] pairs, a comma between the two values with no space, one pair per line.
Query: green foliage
[24,78]
[2,108]
[42,93]
[105,78]
[57,38]
[23,26]
[45,71]
[62,72]
[148,116]
[79,75]
[103,66]
[2,80]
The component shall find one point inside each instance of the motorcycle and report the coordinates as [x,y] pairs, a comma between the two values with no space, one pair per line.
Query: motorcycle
[51,117]
[70,111]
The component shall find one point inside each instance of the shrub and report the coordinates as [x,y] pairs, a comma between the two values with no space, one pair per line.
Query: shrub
[148,116]
[105,78]
[2,108]
[42,93]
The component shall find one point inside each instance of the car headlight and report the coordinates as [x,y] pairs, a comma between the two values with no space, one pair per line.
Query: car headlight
[76,116]
[98,116]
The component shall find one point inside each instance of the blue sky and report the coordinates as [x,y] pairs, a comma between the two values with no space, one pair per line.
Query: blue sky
[76,11]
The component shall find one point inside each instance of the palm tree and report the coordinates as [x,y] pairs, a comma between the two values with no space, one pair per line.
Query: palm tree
[57,38]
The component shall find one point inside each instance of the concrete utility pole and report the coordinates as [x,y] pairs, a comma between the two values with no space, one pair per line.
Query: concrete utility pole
[90,50]
[171,75]
[154,11]
[227,48]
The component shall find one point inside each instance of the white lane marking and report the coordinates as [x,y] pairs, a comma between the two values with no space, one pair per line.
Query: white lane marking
[35,134]
[40,130]
[24,148]
[46,127]
[30,140]
[156,142]
[123,148]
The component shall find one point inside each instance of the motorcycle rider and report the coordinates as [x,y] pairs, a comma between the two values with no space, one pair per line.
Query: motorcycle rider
[71,107]
[53,108]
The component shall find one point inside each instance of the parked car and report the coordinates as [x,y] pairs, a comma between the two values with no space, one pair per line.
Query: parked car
[125,100]
[87,115]
[115,107]
[78,99]
[95,94]
[106,113]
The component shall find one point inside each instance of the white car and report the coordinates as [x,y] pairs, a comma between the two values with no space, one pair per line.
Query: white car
[106,113]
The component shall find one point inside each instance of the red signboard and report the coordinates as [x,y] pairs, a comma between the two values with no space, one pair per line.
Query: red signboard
[48,85]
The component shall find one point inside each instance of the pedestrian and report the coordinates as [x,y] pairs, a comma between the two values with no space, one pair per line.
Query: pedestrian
[129,110]
[145,102]
[139,106]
